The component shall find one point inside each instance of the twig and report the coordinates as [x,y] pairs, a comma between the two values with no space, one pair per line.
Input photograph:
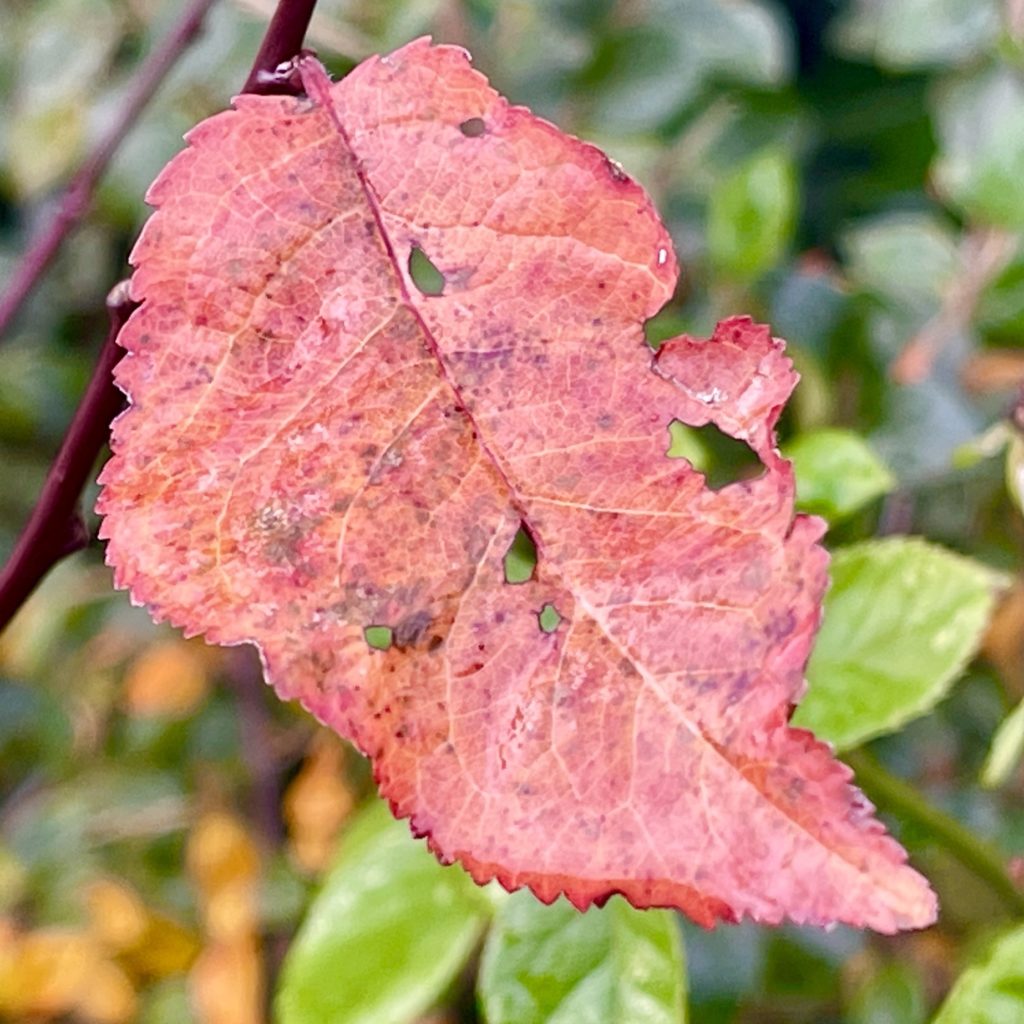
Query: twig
[983,255]
[271,72]
[244,675]
[976,855]
[56,527]
[77,197]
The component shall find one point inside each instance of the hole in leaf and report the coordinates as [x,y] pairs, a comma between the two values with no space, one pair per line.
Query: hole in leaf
[378,637]
[549,618]
[424,274]
[473,127]
[521,558]
[722,459]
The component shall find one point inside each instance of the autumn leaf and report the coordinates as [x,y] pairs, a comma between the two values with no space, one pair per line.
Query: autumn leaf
[326,460]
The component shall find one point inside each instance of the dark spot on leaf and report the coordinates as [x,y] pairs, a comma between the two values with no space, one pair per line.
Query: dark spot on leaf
[548,618]
[411,628]
[424,274]
[521,558]
[473,127]
[378,637]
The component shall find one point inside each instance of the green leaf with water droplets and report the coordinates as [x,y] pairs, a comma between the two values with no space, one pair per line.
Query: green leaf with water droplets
[837,474]
[902,619]
[387,934]
[554,965]
[991,991]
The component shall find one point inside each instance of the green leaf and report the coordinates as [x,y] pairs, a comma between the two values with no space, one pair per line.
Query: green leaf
[685,443]
[837,474]
[657,67]
[902,258]
[981,127]
[554,965]
[1014,470]
[751,216]
[1006,751]
[902,34]
[388,932]
[902,619]
[992,991]
[892,993]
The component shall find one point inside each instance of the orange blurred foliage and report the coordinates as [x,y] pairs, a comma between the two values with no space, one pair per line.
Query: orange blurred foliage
[168,679]
[317,803]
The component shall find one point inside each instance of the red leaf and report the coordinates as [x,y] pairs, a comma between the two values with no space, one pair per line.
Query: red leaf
[316,447]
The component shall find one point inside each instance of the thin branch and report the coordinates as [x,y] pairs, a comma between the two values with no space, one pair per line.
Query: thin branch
[244,674]
[77,197]
[271,71]
[975,854]
[56,527]
[983,254]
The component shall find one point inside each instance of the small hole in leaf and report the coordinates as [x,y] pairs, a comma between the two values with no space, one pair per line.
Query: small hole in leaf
[521,558]
[549,618]
[424,274]
[722,459]
[378,637]
[473,127]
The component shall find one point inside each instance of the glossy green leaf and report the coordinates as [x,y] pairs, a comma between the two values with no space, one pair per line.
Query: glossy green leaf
[656,68]
[893,994]
[981,127]
[1014,470]
[1006,751]
[388,932]
[685,443]
[902,619]
[991,991]
[751,216]
[554,965]
[902,258]
[903,34]
[837,473]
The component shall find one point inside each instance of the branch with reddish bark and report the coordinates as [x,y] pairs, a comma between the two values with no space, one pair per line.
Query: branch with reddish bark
[77,197]
[56,527]
[983,254]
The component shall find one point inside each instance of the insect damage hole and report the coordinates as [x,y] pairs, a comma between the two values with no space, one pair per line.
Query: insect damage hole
[473,127]
[380,638]
[427,278]
[521,558]
[548,618]
[722,459]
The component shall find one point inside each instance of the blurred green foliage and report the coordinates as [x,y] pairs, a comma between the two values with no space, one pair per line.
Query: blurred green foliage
[850,171]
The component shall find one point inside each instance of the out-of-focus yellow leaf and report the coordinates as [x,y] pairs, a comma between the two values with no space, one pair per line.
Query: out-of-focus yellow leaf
[44,144]
[166,948]
[43,973]
[227,983]
[109,996]
[231,911]
[117,915]
[146,942]
[169,679]
[221,852]
[317,804]
[225,864]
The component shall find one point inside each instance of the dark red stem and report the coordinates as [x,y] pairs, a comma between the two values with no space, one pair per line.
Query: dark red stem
[56,527]
[283,41]
[77,197]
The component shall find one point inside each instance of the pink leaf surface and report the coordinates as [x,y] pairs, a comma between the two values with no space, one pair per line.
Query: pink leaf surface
[315,447]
